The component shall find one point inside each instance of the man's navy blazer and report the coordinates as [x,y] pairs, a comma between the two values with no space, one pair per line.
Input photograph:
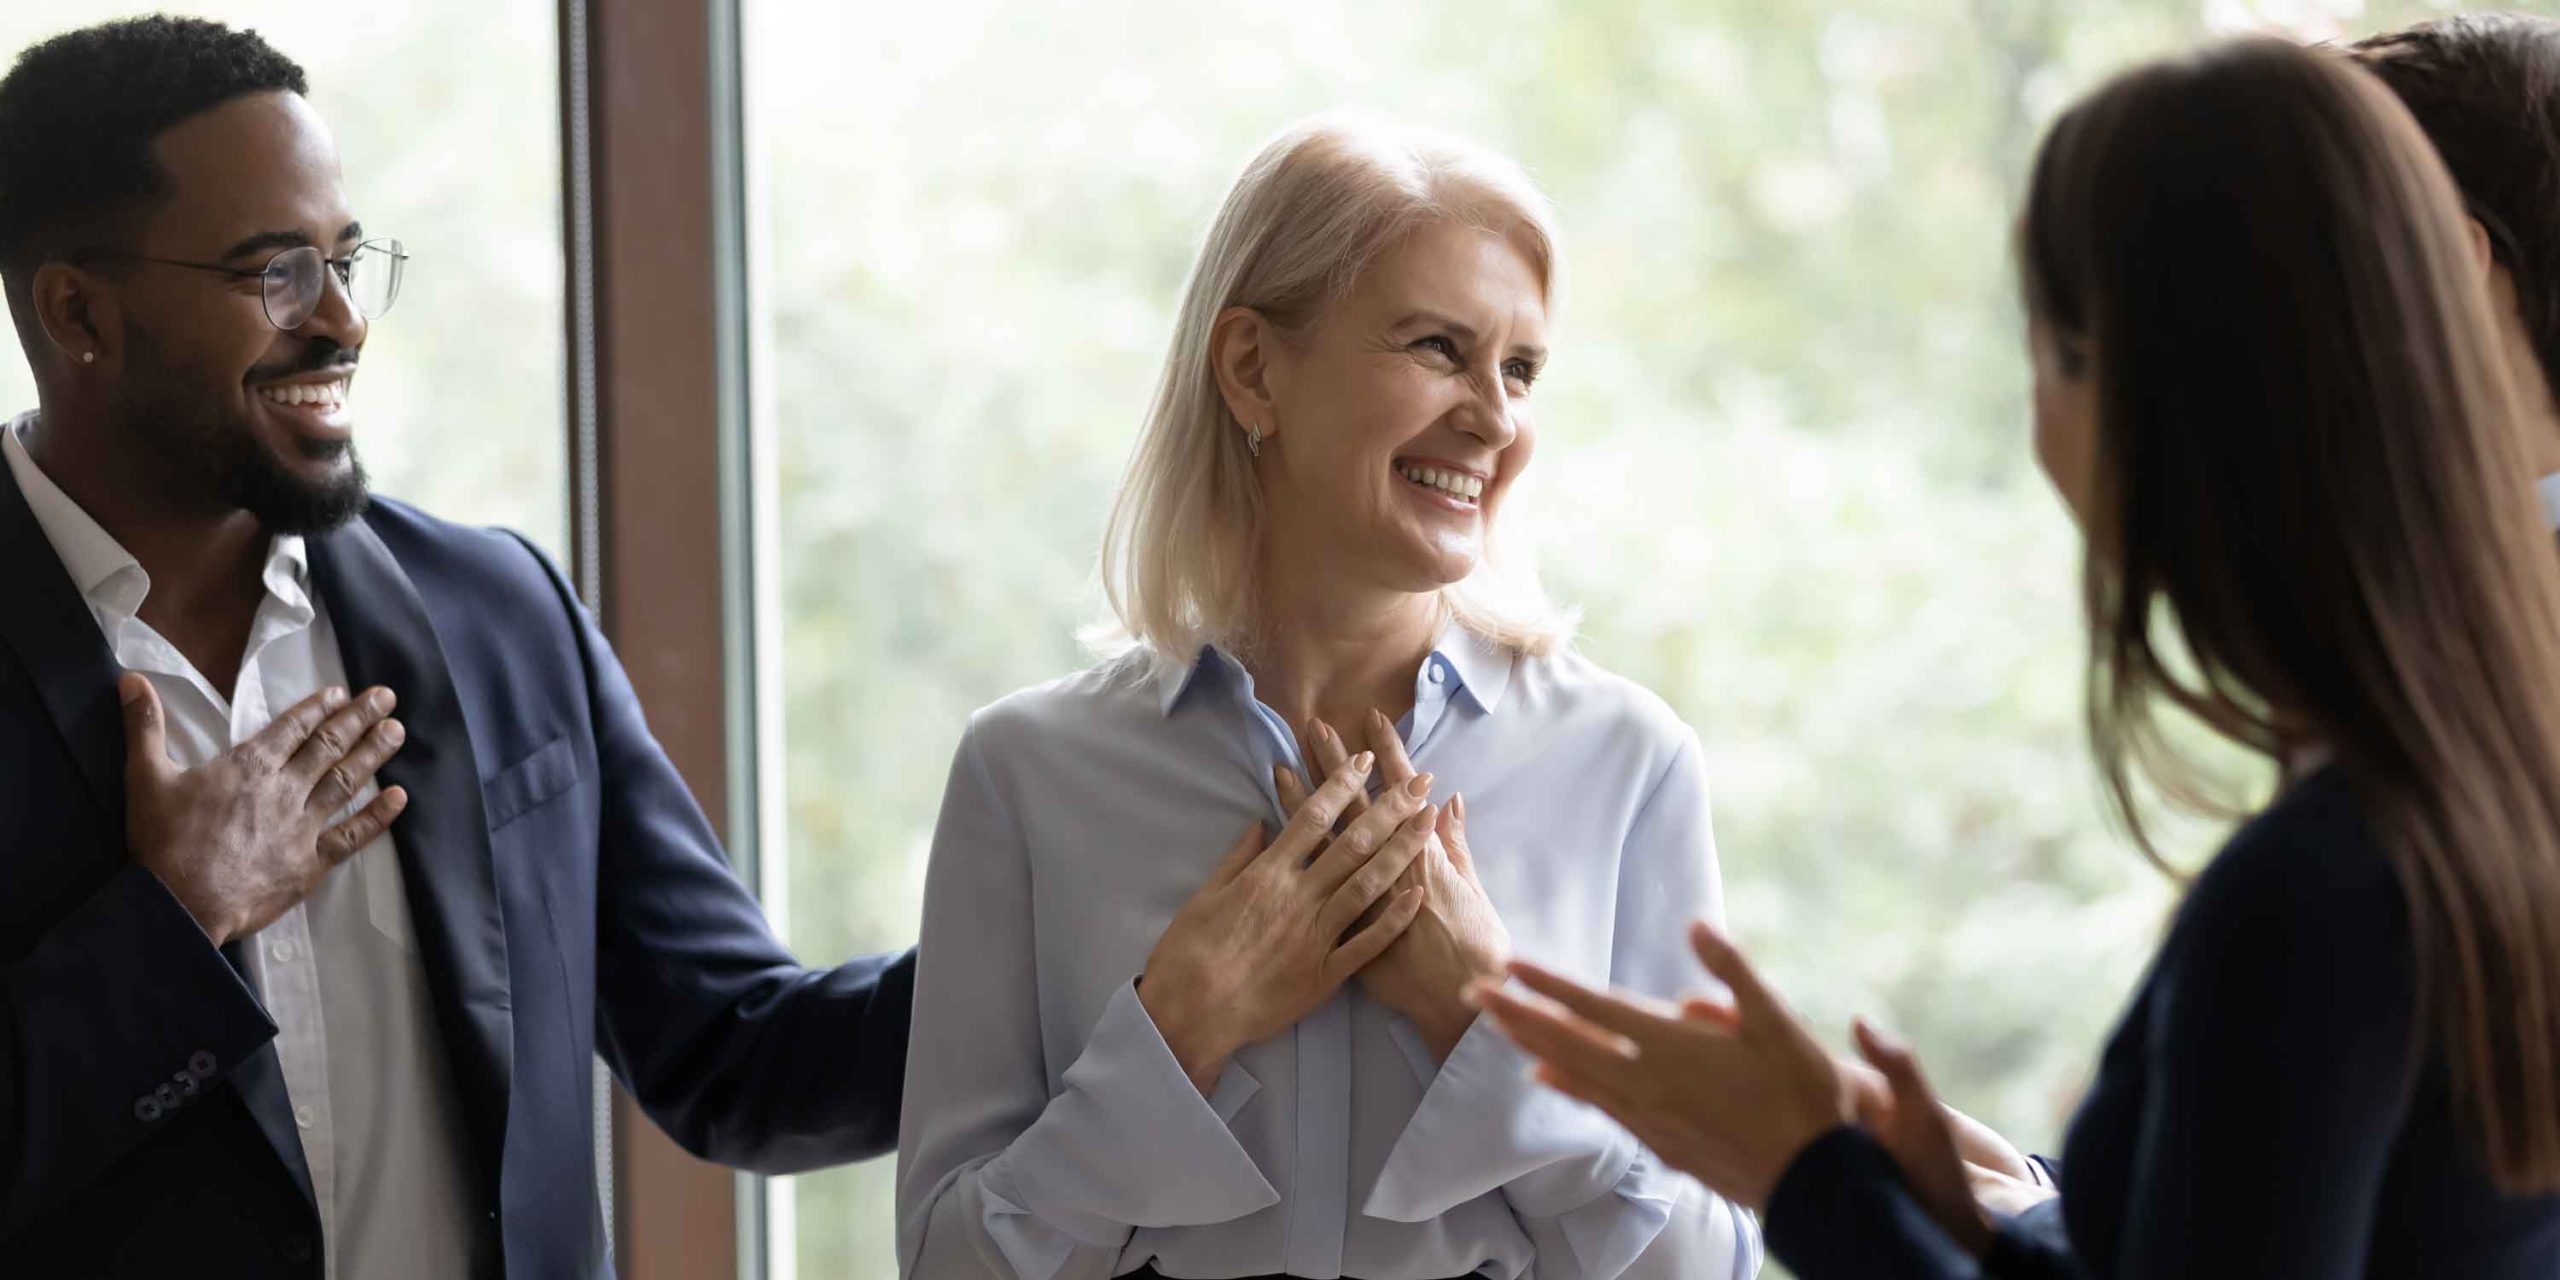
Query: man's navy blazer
[568,899]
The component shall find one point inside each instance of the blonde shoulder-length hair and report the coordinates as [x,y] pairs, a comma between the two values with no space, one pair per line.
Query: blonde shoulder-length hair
[1317,205]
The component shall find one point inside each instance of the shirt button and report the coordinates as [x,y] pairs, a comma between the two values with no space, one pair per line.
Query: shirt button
[303,1115]
[1437,674]
[280,952]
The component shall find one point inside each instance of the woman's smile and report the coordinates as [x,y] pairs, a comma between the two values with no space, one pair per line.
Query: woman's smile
[1440,486]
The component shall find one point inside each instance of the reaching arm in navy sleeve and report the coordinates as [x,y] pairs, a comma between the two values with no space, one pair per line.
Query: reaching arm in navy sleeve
[741,1053]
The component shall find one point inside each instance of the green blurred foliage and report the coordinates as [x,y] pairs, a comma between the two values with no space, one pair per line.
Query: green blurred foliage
[1782,467]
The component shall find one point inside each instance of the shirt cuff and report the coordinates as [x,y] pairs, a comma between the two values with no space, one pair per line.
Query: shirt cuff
[1484,1125]
[1609,1233]
[1129,1142]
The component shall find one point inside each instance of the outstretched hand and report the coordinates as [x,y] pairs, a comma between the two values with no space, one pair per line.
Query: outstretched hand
[1728,1091]
[1731,1090]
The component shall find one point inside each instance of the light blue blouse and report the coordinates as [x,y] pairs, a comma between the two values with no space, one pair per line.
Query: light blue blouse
[1048,1132]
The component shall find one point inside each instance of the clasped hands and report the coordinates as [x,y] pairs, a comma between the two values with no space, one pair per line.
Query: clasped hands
[1731,1090]
[1382,891]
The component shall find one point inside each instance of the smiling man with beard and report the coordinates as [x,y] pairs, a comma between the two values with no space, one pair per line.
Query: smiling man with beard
[298,981]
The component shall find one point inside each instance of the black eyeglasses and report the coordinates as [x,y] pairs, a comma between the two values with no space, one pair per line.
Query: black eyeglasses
[293,280]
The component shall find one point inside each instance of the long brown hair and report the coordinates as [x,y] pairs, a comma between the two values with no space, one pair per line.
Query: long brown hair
[2315,521]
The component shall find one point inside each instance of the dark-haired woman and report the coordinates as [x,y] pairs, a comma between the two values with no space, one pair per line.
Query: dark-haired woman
[2271,390]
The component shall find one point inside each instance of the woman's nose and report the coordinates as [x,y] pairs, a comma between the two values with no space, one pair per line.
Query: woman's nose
[1489,414]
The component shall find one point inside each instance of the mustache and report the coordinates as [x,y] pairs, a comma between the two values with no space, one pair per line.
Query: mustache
[322,356]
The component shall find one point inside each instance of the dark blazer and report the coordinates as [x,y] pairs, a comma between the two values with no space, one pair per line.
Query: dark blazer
[2259,1113]
[568,897]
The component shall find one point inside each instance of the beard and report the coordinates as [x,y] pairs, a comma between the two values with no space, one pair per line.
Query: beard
[284,503]
[220,450]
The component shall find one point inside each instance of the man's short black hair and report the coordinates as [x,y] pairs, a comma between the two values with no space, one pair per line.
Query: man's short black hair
[2486,88]
[79,111]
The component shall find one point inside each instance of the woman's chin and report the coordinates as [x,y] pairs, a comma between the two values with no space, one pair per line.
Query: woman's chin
[1426,570]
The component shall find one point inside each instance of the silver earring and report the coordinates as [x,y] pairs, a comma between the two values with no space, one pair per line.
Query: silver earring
[1253,439]
[88,357]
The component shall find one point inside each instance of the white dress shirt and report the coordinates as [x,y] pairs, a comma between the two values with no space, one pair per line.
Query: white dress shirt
[380,1123]
[1048,1133]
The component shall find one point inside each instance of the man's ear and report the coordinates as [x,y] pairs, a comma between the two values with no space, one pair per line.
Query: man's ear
[2484,254]
[73,310]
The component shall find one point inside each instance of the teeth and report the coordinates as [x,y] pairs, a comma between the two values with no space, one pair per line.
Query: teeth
[330,394]
[1448,482]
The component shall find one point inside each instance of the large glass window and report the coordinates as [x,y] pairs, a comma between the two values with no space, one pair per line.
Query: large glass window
[1783,464]
[447,119]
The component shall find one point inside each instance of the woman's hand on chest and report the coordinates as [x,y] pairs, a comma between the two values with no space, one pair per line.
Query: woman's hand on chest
[1457,936]
[1280,927]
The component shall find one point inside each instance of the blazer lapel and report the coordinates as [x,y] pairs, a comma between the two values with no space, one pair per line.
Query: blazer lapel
[50,628]
[385,638]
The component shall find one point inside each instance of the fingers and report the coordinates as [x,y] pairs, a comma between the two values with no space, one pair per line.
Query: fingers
[1981,1144]
[1571,1084]
[1369,832]
[340,842]
[1312,824]
[1719,1013]
[1752,999]
[146,741]
[1362,882]
[1239,855]
[1909,1118]
[1330,754]
[278,741]
[1554,1036]
[1289,787]
[338,733]
[1453,836]
[1922,1139]
[1999,1193]
[1606,1010]
[344,781]
[1900,1070]
[1393,765]
[1867,1085]
[1360,948]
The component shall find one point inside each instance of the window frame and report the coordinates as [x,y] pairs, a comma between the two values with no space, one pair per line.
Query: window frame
[664,522]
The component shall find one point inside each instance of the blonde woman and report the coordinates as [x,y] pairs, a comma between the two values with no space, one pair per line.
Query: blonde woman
[1146,1045]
